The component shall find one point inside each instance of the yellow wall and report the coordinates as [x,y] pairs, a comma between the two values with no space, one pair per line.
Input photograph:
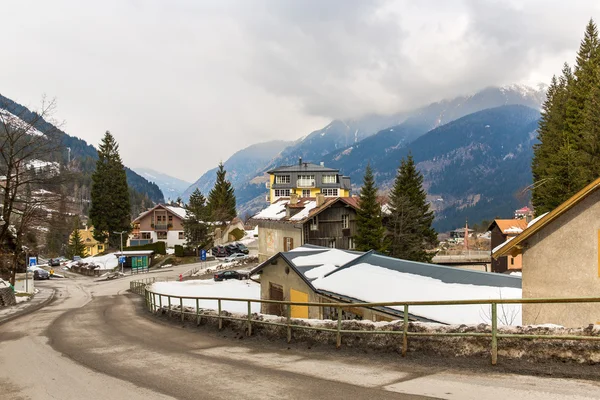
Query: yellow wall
[300,297]
[272,191]
[298,191]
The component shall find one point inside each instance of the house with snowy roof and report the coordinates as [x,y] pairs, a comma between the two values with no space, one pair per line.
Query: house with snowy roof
[561,258]
[292,222]
[501,231]
[316,274]
[160,223]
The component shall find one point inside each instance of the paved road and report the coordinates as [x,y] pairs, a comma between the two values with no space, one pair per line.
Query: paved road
[93,342]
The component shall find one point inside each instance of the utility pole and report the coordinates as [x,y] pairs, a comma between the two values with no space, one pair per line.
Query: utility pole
[121,233]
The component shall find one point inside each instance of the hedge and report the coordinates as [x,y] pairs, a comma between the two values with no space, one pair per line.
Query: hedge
[158,247]
[179,250]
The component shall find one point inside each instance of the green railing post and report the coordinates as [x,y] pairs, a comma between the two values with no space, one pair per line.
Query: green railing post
[198,312]
[181,308]
[160,301]
[289,320]
[249,318]
[170,313]
[153,303]
[219,312]
[405,331]
[338,341]
[494,333]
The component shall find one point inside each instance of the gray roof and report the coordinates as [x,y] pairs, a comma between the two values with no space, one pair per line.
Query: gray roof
[442,273]
[304,167]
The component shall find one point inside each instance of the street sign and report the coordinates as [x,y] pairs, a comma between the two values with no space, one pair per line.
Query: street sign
[122,259]
[202,255]
[32,261]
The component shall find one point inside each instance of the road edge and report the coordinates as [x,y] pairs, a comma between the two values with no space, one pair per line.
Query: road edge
[29,310]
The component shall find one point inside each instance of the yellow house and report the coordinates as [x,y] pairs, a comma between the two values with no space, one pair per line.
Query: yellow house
[92,246]
[306,180]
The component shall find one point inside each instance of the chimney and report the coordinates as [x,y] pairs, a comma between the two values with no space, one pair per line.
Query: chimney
[320,199]
[322,163]
[300,161]
[293,199]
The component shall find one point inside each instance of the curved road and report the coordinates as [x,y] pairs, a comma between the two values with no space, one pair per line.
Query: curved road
[94,342]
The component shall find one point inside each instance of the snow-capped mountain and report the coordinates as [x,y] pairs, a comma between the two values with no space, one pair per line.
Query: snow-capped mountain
[171,187]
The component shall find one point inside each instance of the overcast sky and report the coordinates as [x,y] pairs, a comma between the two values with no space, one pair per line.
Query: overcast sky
[185,84]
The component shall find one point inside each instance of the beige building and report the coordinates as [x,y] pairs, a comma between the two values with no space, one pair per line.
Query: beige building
[561,258]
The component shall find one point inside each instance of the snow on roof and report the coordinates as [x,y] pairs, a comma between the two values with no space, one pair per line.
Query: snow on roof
[535,220]
[308,206]
[41,164]
[274,211]
[321,271]
[179,211]
[501,245]
[333,257]
[513,230]
[133,253]
[372,283]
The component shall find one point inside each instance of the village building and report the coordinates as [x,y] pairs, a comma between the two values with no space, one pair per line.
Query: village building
[561,258]
[306,180]
[321,275]
[322,221]
[92,246]
[525,213]
[160,223]
[229,233]
[501,231]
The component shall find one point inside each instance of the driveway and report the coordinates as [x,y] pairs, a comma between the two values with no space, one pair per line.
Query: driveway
[94,342]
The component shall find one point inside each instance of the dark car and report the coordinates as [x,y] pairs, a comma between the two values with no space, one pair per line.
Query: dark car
[40,274]
[224,275]
[219,251]
[54,262]
[242,248]
[232,248]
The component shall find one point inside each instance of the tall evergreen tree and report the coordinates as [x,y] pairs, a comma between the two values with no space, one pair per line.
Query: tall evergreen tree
[110,208]
[59,229]
[567,157]
[195,225]
[76,245]
[369,227]
[221,199]
[410,219]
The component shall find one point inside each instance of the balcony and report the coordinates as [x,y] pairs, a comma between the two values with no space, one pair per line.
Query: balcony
[305,183]
[161,227]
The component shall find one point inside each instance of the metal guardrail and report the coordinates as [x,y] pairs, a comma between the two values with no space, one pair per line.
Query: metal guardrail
[140,287]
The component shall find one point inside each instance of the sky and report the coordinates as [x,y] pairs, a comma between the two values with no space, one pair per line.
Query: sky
[184,84]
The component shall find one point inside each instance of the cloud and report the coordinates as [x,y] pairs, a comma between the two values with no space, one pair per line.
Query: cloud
[184,84]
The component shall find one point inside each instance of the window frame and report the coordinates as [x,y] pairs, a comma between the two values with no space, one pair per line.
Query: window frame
[345,221]
[283,179]
[280,191]
[330,192]
[305,191]
[329,178]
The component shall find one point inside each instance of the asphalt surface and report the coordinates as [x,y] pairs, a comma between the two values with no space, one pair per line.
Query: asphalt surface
[93,341]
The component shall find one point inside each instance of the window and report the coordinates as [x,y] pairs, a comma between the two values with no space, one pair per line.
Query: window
[314,224]
[305,192]
[282,179]
[329,192]
[329,178]
[351,243]
[146,235]
[332,243]
[345,219]
[306,181]
[161,235]
[512,261]
[170,218]
[181,237]
[100,247]
[288,243]
[282,192]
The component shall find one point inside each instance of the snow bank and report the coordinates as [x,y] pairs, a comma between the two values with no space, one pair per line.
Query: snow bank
[376,284]
[208,288]
[334,256]
[107,261]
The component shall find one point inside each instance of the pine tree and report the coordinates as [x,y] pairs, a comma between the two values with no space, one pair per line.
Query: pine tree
[409,223]
[76,245]
[370,231]
[59,229]
[195,225]
[221,199]
[110,208]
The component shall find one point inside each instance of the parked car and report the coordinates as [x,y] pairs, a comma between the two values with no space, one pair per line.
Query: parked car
[54,262]
[242,248]
[219,251]
[76,258]
[40,274]
[224,275]
[234,256]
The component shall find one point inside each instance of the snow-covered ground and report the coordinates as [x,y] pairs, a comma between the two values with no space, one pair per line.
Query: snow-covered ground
[233,288]
[107,261]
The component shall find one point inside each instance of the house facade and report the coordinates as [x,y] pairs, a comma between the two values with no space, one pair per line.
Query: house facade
[161,223]
[290,223]
[502,230]
[92,246]
[306,180]
[561,258]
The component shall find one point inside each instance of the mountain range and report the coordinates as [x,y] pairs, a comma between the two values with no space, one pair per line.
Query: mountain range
[474,152]
[171,187]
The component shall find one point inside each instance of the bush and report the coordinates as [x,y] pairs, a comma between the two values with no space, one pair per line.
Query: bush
[237,233]
[179,250]
[158,247]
